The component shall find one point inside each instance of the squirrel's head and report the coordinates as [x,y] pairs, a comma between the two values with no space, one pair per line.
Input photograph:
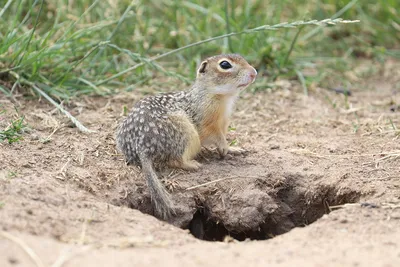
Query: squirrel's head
[225,74]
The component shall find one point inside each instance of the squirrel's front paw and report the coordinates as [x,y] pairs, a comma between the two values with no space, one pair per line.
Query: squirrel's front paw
[231,150]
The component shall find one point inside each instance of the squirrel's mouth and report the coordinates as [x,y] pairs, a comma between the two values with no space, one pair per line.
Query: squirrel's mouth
[243,86]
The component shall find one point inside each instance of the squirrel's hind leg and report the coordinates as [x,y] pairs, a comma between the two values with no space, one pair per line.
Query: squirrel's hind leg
[192,146]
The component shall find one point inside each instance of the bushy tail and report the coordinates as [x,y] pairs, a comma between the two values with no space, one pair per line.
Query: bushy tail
[159,196]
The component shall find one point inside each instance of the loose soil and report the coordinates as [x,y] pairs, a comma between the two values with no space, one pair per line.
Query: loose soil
[319,185]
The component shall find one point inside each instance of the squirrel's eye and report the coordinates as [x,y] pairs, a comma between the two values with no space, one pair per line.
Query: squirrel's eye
[225,65]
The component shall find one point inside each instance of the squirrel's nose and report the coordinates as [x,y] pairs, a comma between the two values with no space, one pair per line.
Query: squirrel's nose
[253,74]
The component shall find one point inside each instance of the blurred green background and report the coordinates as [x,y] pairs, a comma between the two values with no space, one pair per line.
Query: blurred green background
[67,48]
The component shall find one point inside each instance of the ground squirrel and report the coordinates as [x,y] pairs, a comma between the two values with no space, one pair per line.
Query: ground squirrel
[170,128]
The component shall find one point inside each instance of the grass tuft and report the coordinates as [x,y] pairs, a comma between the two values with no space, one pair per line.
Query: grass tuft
[13,132]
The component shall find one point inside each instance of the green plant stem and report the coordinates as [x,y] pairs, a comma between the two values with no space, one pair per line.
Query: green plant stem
[228,27]
[32,33]
[292,46]
[5,7]
[303,82]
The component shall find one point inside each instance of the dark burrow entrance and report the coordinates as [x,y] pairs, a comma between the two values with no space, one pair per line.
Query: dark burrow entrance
[203,228]
[294,210]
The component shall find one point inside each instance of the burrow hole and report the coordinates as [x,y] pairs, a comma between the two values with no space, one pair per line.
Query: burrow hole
[295,209]
[292,212]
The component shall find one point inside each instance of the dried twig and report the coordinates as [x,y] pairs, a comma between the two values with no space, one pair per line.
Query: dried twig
[343,205]
[83,233]
[28,250]
[219,180]
[385,155]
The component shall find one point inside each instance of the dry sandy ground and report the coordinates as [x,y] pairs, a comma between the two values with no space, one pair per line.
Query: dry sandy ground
[68,199]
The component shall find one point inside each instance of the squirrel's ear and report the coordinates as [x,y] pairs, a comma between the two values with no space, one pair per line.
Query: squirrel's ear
[202,68]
